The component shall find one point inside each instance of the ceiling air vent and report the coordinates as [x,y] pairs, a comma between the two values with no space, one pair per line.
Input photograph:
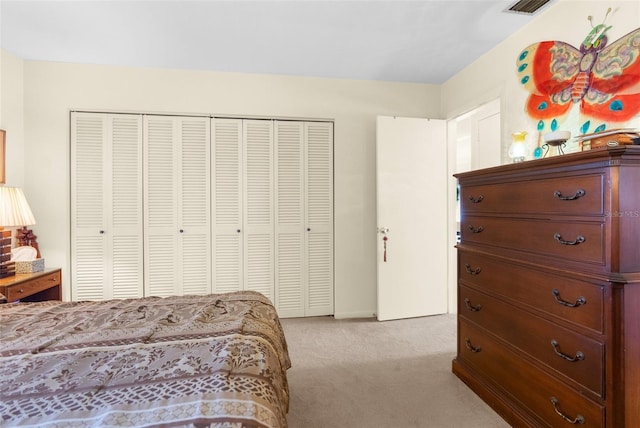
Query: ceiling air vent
[527,6]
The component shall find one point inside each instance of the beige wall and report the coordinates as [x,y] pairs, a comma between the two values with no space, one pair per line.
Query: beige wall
[53,89]
[494,74]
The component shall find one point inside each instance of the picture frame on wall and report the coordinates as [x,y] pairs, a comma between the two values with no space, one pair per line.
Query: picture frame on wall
[3,135]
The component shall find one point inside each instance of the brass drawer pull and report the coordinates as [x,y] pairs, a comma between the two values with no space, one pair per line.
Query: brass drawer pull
[476,229]
[472,308]
[470,271]
[470,347]
[578,420]
[581,300]
[579,355]
[476,200]
[580,193]
[579,240]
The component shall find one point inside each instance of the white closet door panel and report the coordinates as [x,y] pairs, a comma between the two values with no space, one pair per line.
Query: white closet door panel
[160,208]
[319,217]
[258,229]
[227,188]
[88,247]
[106,199]
[289,212]
[125,235]
[194,202]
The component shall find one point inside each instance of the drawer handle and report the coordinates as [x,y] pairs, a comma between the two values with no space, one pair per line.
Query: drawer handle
[579,240]
[472,308]
[580,193]
[476,229]
[21,290]
[581,300]
[579,355]
[476,200]
[470,347]
[470,271]
[578,420]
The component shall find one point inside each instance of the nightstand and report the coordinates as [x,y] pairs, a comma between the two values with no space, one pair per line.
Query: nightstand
[33,287]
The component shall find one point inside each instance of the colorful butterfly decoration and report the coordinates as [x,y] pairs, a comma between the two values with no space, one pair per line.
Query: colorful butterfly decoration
[603,80]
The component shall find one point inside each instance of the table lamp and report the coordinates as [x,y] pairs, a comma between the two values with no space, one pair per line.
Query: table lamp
[14,211]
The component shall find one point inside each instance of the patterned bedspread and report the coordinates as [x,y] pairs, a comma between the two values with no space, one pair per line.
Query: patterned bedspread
[203,361]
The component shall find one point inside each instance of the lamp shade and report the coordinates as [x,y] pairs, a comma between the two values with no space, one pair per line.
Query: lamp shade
[14,209]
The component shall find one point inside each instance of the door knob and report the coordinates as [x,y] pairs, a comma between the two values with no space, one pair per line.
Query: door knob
[383,230]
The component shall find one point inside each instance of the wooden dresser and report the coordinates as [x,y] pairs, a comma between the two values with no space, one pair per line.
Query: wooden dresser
[549,289]
[33,287]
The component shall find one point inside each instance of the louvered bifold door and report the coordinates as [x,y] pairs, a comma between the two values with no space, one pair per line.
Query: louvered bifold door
[177,243]
[226,189]
[194,200]
[319,218]
[160,207]
[106,206]
[290,262]
[258,230]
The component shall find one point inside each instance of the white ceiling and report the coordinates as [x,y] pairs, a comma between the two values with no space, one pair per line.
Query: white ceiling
[406,41]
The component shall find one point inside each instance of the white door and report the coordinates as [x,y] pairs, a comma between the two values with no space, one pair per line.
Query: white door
[257,202]
[177,235]
[106,206]
[304,218]
[318,138]
[411,173]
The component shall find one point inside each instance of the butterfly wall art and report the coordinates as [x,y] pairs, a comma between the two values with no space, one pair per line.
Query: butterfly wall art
[602,80]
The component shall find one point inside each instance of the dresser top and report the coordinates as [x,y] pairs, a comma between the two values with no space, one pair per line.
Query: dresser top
[600,157]
[21,277]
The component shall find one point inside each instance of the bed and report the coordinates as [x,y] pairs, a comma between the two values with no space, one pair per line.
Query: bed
[217,361]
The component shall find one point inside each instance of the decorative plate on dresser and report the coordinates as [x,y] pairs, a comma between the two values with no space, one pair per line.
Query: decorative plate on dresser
[549,289]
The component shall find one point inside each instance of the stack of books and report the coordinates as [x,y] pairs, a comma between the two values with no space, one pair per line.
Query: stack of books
[611,137]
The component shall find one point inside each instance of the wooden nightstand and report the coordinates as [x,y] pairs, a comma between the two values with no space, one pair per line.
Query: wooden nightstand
[33,287]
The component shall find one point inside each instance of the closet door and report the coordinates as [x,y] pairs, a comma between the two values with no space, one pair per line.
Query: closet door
[304,218]
[177,228]
[258,233]
[227,190]
[106,206]
[243,206]
[290,268]
[318,139]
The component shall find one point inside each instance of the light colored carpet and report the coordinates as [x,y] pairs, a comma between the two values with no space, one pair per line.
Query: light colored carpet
[392,374]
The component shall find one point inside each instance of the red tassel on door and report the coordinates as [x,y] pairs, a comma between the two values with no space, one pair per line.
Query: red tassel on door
[384,240]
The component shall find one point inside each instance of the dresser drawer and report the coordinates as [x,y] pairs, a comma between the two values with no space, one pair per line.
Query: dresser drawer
[576,195]
[570,299]
[536,390]
[35,285]
[570,353]
[570,240]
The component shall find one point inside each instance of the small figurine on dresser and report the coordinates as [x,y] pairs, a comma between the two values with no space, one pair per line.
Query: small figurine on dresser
[27,254]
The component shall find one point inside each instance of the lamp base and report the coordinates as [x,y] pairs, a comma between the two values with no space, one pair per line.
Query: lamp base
[7,266]
[7,269]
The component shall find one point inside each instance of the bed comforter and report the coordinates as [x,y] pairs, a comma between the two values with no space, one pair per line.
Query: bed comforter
[217,361]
